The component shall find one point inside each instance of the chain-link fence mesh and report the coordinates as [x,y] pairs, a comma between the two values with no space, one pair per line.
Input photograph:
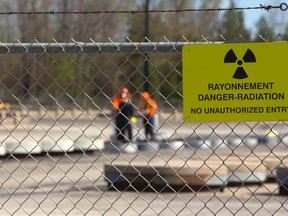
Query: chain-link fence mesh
[61,152]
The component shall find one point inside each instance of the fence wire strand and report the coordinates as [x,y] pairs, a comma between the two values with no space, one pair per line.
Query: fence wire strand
[283,7]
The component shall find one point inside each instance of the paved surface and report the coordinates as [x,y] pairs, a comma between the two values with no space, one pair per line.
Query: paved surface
[73,183]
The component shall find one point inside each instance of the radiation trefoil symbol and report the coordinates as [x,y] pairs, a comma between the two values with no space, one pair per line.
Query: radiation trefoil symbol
[240,72]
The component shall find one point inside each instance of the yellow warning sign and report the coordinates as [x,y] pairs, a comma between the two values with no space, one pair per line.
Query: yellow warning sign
[235,82]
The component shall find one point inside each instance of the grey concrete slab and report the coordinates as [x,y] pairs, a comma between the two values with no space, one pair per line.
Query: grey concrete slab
[160,174]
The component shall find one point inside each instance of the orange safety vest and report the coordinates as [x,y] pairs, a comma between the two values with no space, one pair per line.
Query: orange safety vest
[151,106]
[117,101]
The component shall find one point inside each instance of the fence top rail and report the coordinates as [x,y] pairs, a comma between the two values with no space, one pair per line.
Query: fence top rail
[77,47]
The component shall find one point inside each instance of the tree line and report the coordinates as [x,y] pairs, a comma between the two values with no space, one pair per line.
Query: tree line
[80,77]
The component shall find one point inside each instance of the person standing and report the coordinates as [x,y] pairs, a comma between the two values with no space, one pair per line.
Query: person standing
[148,111]
[123,120]
[124,93]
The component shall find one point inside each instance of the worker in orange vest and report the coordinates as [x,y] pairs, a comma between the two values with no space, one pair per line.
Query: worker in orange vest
[148,111]
[123,120]
[119,99]
[123,97]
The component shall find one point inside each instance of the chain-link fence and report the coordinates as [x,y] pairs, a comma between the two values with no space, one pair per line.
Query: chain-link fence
[63,151]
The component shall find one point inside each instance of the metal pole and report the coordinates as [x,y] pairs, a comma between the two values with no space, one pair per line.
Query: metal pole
[146,62]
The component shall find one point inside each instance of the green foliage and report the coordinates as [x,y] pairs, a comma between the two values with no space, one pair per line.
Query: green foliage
[100,75]
[264,29]
[232,24]
[63,74]
[285,35]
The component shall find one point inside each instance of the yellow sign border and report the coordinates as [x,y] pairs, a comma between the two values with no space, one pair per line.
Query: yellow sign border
[211,93]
